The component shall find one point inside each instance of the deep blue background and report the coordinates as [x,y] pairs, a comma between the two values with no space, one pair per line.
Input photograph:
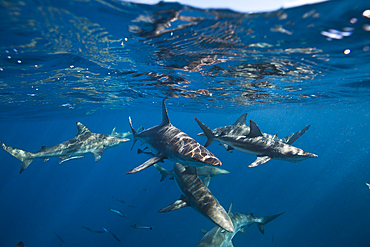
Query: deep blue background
[325,200]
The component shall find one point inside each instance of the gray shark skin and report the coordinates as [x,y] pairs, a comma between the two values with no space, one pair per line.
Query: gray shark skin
[198,196]
[168,142]
[204,172]
[84,142]
[217,237]
[240,128]
[255,143]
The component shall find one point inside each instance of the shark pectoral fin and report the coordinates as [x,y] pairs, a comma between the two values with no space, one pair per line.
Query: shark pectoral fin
[181,203]
[148,163]
[98,153]
[259,161]
[204,231]
[206,180]
[68,157]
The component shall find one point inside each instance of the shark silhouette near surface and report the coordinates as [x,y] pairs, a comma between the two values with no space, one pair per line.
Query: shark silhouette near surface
[217,237]
[168,142]
[84,142]
[255,143]
[240,128]
[198,196]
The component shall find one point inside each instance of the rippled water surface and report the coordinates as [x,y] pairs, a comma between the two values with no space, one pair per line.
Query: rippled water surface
[99,62]
[83,55]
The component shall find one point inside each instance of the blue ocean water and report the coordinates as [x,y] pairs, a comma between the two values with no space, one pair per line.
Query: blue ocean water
[99,62]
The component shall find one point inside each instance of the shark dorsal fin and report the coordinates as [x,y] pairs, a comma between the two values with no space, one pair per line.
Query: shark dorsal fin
[230,207]
[241,120]
[254,130]
[82,129]
[43,148]
[204,231]
[165,119]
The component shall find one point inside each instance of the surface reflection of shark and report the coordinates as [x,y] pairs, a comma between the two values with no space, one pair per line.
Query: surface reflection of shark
[84,142]
[217,237]
[168,142]
[255,143]
[198,196]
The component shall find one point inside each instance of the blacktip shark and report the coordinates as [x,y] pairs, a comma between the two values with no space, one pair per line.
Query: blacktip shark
[217,237]
[204,172]
[168,142]
[255,143]
[198,196]
[84,142]
[240,128]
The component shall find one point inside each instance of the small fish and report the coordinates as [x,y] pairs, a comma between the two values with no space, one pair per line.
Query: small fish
[115,236]
[145,190]
[105,229]
[130,206]
[87,228]
[122,201]
[118,212]
[368,185]
[142,227]
[60,238]
[99,231]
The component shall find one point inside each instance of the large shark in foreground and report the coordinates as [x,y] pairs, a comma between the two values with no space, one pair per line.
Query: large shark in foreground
[168,142]
[217,237]
[240,128]
[198,196]
[84,142]
[255,143]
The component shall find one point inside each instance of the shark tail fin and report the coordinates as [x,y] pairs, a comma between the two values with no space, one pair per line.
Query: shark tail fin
[134,133]
[293,137]
[162,171]
[261,222]
[24,156]
[207,131]
[114,132]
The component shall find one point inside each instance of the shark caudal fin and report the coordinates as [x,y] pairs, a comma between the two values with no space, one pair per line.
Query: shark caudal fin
[207,131]
[24,156]
[261,222]
[293,137]
[163,172]
[134,133]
